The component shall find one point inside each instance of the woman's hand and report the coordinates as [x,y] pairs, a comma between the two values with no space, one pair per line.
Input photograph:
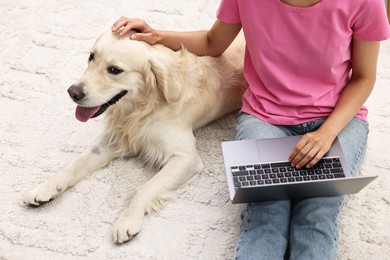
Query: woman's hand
[144,32]
[310,149]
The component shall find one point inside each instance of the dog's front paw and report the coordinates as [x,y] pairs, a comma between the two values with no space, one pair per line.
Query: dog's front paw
[42,194]
[128,226]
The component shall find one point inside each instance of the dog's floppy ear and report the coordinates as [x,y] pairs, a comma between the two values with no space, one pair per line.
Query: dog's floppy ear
[165,84]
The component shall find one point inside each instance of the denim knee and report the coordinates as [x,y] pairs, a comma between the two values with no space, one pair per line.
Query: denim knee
[353,139]
[264,231]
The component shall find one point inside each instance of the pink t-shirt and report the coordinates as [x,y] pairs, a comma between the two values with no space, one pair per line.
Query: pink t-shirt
[298,60]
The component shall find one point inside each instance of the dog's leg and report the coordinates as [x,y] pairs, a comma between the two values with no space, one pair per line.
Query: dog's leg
[178,170]
[91,159]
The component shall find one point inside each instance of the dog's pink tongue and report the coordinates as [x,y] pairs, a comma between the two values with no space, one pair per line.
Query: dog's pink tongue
[85,113]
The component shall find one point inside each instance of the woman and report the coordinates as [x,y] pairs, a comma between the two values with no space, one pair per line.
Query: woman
[310,65]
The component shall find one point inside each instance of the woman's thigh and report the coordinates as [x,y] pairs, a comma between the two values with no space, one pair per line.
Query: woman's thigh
[250,127]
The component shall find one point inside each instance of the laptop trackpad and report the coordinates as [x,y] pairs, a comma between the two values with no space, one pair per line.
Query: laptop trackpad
[276,149]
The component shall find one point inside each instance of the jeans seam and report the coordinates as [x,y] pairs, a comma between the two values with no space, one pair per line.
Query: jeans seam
[360,153]
[336,226]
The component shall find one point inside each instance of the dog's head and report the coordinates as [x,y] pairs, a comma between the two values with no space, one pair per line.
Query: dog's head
[120,70]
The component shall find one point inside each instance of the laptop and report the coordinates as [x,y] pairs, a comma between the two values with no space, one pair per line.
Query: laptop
[258,170]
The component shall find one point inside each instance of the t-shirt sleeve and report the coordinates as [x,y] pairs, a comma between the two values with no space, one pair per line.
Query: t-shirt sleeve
[228,11]
[372,23]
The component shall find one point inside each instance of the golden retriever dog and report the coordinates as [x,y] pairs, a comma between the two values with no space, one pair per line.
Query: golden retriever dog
[153,99]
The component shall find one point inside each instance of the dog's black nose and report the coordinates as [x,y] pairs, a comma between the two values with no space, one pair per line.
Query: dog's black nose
[76,93]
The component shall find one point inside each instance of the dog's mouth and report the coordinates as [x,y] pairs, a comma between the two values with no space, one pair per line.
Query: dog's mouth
[83,114]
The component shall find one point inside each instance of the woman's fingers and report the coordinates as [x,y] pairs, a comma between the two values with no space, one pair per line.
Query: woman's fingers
[309,150]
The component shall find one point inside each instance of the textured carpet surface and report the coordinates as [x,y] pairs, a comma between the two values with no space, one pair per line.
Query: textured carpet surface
[43,49]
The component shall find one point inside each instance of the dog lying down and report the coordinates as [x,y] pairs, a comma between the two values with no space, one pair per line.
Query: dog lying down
[153,99]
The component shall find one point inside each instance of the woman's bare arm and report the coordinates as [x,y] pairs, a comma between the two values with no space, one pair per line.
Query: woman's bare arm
[211,42]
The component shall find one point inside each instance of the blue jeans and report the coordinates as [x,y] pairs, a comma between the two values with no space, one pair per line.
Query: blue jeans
[295,229]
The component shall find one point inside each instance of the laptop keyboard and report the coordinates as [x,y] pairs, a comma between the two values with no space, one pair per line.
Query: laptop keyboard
[282,172]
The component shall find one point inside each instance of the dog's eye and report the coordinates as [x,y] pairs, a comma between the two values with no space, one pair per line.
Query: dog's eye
[114,70]
[91,57]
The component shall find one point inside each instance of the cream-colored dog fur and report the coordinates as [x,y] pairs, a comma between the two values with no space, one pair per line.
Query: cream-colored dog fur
[161,97]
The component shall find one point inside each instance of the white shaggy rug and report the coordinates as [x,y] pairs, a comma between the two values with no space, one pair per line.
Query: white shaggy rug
[43,49]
